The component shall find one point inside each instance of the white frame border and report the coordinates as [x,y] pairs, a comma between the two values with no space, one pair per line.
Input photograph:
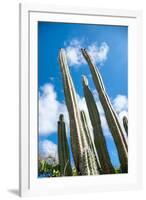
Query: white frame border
[27,184]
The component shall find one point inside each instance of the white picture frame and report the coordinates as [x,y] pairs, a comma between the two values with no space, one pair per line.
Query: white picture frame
[29,184]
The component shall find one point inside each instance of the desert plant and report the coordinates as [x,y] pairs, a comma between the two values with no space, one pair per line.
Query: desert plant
[80,147]
[125,124]
[99,139]
[74,171]
[47,170]
[110,114]
[93,156]
[63,149]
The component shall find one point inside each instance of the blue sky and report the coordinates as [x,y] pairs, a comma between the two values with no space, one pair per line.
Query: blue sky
[108,47]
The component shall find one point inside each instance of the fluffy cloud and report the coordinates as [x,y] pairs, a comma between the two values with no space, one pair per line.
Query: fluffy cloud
[48,150]
[99,54]
[122,114]
[49,110]
[120,103]
[73,52]
[75,57]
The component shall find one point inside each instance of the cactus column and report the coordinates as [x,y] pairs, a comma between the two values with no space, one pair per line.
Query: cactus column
[93,157]
[99,139]
[125,124]
[80,147]
[63,150]
[110,114]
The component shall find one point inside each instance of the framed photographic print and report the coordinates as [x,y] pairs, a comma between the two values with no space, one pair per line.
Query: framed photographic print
[80,100]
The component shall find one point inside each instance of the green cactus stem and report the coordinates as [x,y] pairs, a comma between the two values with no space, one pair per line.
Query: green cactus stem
[125,124]
[99,139]
[63,149]
[111,116]
[79,142]
[94,156]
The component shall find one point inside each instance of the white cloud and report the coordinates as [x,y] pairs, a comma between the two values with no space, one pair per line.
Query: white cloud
[73,52]
[98,53]
[122,114]
[120,103]
[49,110]
[75,57]
[48,150]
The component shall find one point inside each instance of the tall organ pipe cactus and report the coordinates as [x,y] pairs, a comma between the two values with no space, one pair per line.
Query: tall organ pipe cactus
[110,114]
[92,157]
[125,124]
[99,139]
[80,147]
[63,149]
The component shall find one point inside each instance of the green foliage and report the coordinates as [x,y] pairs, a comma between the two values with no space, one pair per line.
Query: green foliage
[47,170]
[118,170]
[74,171]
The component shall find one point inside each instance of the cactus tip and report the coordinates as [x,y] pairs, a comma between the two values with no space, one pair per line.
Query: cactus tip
[61,117]
[83,50]
[85,80]
[82,111]
[62,50]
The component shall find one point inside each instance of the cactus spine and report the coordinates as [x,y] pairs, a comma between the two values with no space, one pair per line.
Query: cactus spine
[80,146]
[99,139]
[110,114]
[125,124]
[63,149]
